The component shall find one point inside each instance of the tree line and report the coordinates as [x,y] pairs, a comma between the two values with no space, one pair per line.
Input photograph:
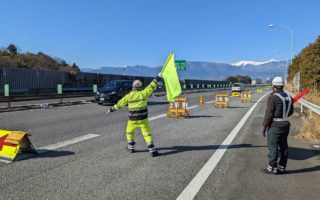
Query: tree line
[307,62]
[10,57]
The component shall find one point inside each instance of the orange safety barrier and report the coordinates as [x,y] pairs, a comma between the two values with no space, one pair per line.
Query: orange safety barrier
[178,108]
[222,100]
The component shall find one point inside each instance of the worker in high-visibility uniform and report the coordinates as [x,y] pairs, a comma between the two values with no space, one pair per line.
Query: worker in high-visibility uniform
[277,126]
[138,113]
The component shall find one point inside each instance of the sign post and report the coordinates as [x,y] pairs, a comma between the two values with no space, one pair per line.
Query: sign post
[59,91]
[7,93]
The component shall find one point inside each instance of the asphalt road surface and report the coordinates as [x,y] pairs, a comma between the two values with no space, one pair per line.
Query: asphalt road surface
[215,154]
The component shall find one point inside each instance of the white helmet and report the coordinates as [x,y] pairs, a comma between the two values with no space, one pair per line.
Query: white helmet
[278,81]
[136,84]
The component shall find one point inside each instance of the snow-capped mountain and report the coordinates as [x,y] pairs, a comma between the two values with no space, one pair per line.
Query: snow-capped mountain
[206,70]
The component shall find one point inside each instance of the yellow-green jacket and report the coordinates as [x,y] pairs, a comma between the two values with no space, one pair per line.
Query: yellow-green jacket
[137,101]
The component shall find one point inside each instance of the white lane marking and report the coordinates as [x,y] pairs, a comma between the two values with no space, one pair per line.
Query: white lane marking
[5,161]
[192,107]
[196,183]
[209,102]
[65,143]
[157,117]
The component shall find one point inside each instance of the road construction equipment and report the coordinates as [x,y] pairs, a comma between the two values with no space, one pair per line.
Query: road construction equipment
[236,89]
[246,97]
[201,100]
[259,90]
[221,100]
[13,142]
[178,108]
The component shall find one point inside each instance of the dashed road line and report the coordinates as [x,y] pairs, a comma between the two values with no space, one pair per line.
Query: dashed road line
[65,143]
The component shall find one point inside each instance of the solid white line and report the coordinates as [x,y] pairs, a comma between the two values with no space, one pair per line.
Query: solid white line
[66,143]
[209,102]
[196,183]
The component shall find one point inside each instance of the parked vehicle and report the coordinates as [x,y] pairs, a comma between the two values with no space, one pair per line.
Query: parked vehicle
[113,91]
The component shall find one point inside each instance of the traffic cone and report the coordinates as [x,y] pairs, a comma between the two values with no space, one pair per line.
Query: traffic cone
[201,100]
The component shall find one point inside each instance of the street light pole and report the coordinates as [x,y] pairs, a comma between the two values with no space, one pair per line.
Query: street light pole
[291,34]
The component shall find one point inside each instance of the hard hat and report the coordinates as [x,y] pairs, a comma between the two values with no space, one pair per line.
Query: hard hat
[278,81]
[136,84]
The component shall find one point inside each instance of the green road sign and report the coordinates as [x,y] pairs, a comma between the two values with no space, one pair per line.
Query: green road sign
[6,90]
[181,65]
[59,88]
[95,88]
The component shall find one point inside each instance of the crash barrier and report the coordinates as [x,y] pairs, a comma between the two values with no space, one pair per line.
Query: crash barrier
[221,100]
[246,96]
[13,142]
[259,90]
[201,100]
[178,108]
[236,94]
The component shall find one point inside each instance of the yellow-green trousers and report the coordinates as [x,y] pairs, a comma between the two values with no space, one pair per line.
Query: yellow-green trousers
[145,130]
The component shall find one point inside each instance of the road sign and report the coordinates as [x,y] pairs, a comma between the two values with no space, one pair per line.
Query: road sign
[181,65]
[59,88]
[6,90]
[95,88]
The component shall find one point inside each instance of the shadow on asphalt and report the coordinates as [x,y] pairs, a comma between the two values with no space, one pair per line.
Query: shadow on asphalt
[181,149]
[305,170]
[302,154]
[44,154]
[236,107]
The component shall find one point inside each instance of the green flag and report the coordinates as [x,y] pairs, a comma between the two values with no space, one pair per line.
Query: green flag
[171,79]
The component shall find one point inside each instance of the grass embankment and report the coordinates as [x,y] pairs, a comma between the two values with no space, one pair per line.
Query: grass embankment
[310,130]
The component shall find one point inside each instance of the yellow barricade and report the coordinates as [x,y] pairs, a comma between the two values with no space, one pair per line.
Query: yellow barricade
[236,94]
[221,100]
[268,88]
[178,108]
[259,90]
[246,96]
[13,142]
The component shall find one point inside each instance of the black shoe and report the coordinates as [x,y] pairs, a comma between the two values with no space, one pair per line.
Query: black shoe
[154,154]
[281,172]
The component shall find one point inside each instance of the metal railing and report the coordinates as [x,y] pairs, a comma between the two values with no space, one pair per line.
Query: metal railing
[311,106]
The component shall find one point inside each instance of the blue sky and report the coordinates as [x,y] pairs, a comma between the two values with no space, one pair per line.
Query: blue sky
[95,33]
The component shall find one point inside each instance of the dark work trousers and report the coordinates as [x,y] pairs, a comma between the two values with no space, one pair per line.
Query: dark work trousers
[277,142]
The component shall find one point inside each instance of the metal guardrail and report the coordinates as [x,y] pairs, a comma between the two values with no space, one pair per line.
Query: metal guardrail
[304,103]
[312,107]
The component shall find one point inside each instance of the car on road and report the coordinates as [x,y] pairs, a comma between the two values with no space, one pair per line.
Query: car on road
[113,91]
[236,89]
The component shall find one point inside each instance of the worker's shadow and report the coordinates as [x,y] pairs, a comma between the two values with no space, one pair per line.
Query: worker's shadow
[302,154]
[201,116]
[151,103]
[43,154]
[181,149]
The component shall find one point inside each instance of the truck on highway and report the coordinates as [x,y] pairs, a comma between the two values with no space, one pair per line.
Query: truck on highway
[236,89]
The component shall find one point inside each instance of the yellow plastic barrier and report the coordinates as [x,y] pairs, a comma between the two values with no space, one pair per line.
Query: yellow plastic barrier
[246,96]
[221,100]
[178,108]
[268,88]
[259,90]
[12,142]
[236,94]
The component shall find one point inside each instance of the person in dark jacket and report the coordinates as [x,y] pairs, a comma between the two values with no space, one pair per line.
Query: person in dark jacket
[277,126]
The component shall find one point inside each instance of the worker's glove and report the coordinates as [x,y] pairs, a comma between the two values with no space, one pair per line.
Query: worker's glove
[264,131]
[110,110]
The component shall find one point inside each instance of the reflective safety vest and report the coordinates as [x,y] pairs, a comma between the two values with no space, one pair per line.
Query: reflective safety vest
[137,101]
[286,103]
